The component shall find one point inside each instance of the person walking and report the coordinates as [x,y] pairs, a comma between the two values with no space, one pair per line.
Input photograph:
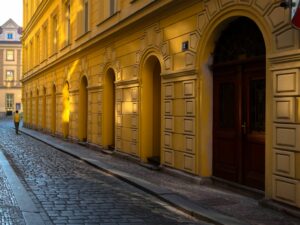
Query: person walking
[17,121]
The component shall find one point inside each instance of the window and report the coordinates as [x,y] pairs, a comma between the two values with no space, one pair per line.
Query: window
[112,7]
[25,58]
[26,12]
[54,34]
[9,101]
[86,15]
[37,54]
[9,75]
[10,55]
[68,21]
[30,54]
[10,36]
[45,42]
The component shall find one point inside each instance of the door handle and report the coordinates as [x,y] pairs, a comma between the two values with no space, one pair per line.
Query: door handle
[244,128]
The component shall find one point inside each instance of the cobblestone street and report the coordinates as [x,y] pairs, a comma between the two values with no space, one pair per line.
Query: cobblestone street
[65,183]
[9,212]
[69,191]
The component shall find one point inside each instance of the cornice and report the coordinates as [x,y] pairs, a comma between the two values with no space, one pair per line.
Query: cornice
[7,88]
[93,88]
[127,83]
[285,57]
[192,73]
[35,17]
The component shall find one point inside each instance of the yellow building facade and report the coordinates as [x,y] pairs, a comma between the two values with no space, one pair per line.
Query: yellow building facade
[208,87]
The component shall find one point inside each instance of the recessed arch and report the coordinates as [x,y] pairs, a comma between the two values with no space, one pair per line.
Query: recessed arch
[66,110]
[239,104]
[26,109]
[37,109]
[205,59]
[30,110]
[44,111]
[83,109]
[150,109]
[53,109]
[109,102]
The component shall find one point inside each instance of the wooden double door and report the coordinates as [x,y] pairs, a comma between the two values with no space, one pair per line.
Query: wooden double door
[239,122]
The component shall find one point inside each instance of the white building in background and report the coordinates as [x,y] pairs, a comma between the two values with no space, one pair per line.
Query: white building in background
[10,68]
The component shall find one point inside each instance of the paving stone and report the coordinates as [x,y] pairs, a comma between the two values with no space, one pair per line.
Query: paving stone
[73,192]
[10,213]
[82,182]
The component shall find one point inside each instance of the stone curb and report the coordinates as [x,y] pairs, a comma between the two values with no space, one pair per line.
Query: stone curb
[30,212]
[177,201]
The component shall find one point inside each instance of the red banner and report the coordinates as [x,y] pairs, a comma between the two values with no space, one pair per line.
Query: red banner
[295,14]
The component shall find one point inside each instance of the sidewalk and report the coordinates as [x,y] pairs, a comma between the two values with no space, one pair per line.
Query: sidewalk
[205,201]
[16,206]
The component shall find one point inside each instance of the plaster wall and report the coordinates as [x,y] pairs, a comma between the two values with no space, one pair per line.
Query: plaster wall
[186,82]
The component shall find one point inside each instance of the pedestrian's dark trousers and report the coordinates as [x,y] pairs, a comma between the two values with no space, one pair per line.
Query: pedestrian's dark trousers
[17,127]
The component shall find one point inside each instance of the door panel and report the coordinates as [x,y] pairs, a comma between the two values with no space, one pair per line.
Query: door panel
[254,139]
[239,123]
[225,127]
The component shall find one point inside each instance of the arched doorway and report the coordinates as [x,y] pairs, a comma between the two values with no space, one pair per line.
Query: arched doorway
[66,110]
[239,104]
[53,111]
[44,109]
[37,99]
[151,110]
[83,109]
[30,110]
[26,110]
[108,132]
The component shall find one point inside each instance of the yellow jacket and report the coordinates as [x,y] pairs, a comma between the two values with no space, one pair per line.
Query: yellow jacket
[17,118]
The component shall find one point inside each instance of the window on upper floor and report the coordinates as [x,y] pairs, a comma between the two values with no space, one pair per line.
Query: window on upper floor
[37,49]
[30,55]
[85,16]
[54,34]
[45,41]
[112,7]
[26,12]
[24,54]
[10,55]
[68,21]
[25,59]
[10,36]
[9,75]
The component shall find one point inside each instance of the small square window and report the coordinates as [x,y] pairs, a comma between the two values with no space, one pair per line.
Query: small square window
[10,36]
[9,75]
[10,55]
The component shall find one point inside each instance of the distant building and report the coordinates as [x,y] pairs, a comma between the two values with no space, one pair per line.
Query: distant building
[10,67]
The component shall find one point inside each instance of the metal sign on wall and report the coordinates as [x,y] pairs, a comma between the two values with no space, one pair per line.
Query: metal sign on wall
[295,13]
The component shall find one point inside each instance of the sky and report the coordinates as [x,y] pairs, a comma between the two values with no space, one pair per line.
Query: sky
[11,9]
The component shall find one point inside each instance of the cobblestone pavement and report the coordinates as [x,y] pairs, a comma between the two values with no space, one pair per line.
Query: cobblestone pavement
[10,213]
[219,199]
[69,191]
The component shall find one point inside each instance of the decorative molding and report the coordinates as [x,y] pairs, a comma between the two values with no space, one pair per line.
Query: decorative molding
[127,83]
[190,74]
[94,87]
